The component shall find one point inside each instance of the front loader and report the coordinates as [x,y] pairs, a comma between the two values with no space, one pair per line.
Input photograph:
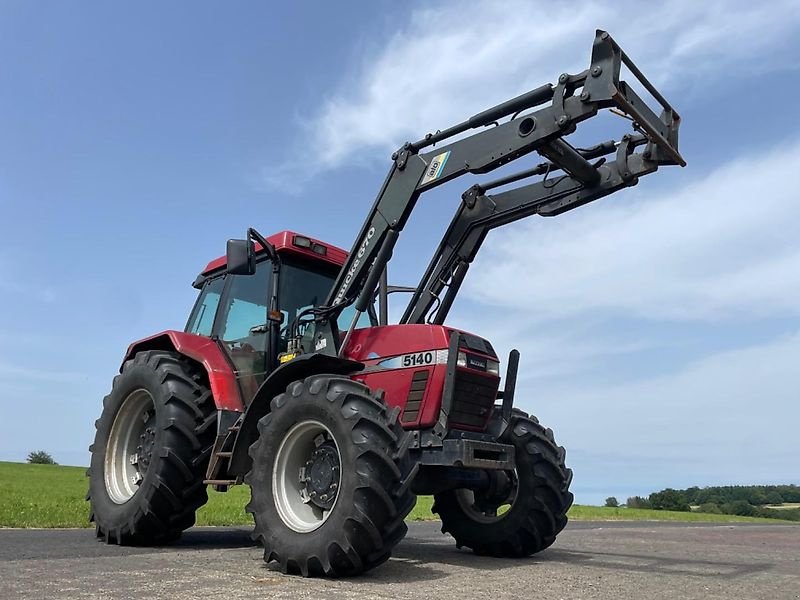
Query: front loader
[289,379]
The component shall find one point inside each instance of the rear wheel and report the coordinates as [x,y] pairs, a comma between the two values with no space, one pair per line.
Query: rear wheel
[326,479]
[525,509]
[151,450]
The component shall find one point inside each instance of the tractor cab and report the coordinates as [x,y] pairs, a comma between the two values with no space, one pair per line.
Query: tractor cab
[234,307]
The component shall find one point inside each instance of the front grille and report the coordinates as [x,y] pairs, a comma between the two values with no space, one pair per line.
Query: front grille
[473,398]
[419,382]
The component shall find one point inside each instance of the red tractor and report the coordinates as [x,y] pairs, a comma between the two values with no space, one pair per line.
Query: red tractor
[288,379]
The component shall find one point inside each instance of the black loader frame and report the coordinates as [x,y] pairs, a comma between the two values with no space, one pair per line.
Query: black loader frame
[586,174]
[414,172]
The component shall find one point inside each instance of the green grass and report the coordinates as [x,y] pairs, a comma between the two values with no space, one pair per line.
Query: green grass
[602,513]
[784,506]
[53,496]
[228,508]
[42,496]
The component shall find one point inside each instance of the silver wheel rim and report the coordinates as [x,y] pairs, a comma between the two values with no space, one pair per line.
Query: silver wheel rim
[467,501]
[123,472]
[294,506]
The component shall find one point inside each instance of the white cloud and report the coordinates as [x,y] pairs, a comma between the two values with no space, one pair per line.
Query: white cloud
[554,350]
[458,58]
[725,246]
[727,418]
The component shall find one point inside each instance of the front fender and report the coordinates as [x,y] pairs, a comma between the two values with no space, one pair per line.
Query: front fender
[299,368]
[203,350]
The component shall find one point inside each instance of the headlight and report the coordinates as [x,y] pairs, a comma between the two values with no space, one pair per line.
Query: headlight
[493,367]
[479,363]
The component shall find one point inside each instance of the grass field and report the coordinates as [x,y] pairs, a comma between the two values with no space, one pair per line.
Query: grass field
[784,506]
[53,496]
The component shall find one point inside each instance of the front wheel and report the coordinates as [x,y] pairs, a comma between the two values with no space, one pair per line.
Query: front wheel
[326,479]
[526,509]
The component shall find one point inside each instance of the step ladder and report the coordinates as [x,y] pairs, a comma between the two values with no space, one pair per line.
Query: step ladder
[221,454]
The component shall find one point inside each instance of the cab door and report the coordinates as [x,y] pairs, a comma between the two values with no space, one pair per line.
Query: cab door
[241,326]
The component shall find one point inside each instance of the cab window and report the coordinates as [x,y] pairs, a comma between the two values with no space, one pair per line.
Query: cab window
[245,309]
[346,317]
[242,325]
[201,320]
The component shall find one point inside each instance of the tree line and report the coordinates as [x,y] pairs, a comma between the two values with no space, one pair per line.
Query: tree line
[744,500]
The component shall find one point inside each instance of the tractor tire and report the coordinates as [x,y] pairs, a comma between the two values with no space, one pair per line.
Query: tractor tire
[326,478]
[539,498]
[151,450]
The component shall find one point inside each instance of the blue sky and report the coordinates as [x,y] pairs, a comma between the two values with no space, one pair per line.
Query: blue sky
[659,328]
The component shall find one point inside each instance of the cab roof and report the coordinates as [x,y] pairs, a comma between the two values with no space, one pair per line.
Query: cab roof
[291,243]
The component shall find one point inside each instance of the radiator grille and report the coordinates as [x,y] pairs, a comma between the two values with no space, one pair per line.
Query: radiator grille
[473,398]
[419,381]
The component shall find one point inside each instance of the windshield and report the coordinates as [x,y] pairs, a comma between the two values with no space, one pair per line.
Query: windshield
[304,286]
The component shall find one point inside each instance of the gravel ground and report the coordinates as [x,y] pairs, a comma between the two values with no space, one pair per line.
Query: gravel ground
[606,560]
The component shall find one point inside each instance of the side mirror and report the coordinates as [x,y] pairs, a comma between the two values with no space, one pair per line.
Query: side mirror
[241,257]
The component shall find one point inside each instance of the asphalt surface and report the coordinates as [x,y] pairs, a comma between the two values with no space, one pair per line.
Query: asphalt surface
[590,560]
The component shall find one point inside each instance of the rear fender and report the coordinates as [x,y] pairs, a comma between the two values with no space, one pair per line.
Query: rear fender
[299,368]
[204,351]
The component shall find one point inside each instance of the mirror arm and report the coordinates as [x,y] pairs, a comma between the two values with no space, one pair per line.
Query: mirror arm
[269,249]
[274,304]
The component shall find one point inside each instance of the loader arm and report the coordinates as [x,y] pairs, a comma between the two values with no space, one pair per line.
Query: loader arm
[479,213]
[414,172]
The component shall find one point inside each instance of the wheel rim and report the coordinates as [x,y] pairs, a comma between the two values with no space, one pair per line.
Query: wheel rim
[306,476]
[130,446]
[484,510]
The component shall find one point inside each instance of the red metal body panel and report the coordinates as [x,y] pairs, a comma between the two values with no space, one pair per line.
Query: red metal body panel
[397,384]
[395,339]
[370,345]
[375,344]
[283,242]
[206,352]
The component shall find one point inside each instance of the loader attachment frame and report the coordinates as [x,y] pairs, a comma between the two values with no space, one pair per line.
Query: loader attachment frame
[572,100]
[480,212]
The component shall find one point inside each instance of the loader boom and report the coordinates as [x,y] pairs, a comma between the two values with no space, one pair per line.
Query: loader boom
[479,213]
[572,100]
